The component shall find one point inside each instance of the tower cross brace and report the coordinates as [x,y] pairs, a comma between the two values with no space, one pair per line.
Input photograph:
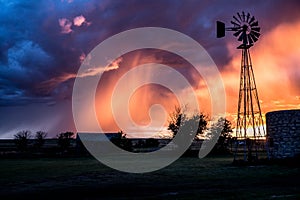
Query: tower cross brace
[250,130]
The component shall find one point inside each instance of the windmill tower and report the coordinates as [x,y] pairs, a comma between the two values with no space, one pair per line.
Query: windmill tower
[250,132]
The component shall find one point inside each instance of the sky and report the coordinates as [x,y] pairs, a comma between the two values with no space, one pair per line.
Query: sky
[43,43]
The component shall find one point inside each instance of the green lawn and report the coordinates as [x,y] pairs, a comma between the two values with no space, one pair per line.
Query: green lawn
[187,178]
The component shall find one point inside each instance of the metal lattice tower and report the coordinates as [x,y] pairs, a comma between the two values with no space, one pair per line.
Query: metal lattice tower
[250,132]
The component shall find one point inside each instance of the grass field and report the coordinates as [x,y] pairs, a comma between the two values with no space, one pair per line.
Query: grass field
[187,178]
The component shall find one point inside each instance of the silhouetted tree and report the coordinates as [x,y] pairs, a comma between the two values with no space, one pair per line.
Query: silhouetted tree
[40,137]
[179,118]
[175,120]
[64,140]
[203,121]
[125,143]
[122,141]
[221,129]
[225,135]
[21,140]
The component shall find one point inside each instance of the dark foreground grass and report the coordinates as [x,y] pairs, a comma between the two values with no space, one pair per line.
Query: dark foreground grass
[187,178]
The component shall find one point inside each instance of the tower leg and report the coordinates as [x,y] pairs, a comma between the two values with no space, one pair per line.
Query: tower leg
[250,130]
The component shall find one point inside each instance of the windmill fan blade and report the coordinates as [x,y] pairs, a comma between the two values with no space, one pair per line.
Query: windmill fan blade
[256,34]
[253,31]
[243,15]
[250,39]
[248,17]
[241,36]
[253,37]
[257,29]
[235,24]
[254,23]
[252,19]
[234,17]
[239,16]
[238,33]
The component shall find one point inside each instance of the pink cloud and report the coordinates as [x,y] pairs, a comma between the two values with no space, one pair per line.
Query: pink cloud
[65,25]
[79,20]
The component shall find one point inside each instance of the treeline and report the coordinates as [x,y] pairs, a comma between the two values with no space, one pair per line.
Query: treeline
[27,143]
[64,143]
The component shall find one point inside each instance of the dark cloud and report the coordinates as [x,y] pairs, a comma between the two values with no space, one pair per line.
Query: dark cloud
[34,48]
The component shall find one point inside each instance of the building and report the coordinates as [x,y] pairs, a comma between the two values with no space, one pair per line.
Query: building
[283,133]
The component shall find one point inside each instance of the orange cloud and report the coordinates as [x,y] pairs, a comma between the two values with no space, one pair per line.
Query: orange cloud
[276,65]
[140,103]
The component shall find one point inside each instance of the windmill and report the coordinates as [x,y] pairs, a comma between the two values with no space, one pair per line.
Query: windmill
[250,132]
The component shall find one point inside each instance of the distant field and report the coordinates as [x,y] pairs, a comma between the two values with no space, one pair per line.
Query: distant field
[187,178]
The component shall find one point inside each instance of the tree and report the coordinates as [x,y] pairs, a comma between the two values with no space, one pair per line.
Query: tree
[122,141]
[179,118]
[175,120]
[21,139]
[224,128]
[203,121]
[225,135]
[40,137]
[64,140]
